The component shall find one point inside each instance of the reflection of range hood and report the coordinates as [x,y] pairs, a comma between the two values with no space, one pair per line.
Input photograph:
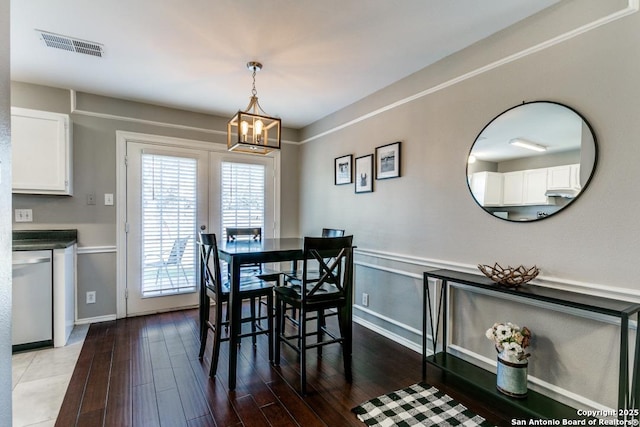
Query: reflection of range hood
[566,193]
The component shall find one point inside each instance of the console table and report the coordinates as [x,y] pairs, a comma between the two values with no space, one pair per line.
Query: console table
[536,404]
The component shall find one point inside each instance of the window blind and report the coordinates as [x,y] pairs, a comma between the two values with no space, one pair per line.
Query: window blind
[243,195]
[169,202]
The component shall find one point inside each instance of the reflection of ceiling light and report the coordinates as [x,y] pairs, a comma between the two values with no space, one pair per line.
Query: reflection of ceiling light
[518,142]
[472,159]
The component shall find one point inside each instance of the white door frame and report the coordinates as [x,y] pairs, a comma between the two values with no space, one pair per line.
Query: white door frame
[122,137]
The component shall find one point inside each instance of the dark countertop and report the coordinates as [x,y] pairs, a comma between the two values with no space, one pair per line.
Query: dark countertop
[35,240]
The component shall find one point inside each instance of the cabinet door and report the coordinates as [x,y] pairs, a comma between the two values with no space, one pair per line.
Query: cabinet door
[512,186]
[535,187]
[41,150]
[559,178]
[487,188]
[566,177]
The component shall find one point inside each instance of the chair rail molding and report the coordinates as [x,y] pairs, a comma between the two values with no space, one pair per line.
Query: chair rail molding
[96,250]
[596,289]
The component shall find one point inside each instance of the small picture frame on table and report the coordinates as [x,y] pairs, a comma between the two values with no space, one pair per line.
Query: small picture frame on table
[388,161]
[343,170]
[364,174]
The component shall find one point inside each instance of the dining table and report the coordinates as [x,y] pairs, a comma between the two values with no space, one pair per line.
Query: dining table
[240,252]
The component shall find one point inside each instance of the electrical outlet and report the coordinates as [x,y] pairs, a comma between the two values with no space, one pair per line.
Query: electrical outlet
[365,299]
[91,297]
[91,199]
[24,215]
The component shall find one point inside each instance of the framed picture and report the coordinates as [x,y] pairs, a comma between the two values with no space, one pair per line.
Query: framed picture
[343,174]
[388,161]
[364,174]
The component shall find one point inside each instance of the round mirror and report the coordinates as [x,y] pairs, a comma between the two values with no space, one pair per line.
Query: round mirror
[531,161]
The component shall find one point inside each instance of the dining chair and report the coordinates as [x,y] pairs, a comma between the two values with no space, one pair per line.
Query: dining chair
[292,278]
[214,289]
[328,288]
[246,233]
[174,258]
[255,269]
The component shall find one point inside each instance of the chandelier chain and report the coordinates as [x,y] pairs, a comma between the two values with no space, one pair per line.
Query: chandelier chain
[254,92]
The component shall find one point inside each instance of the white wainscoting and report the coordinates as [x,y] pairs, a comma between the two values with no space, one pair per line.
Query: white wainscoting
[406,266]
[91,250]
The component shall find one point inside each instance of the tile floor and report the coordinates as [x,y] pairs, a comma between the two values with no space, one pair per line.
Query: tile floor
[40,380]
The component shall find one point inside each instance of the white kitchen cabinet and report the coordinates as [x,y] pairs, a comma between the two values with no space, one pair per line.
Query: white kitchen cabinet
[566,177]
[512,188]
[41,150]
[526,187]
[487,188]
[535,187]
[64,293]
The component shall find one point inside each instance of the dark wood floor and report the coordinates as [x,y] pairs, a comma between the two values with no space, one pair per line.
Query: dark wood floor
[144,371]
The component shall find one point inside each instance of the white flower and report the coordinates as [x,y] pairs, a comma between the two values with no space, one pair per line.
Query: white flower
[513,326]
[489,334]
[513,349]
[510,338]
[503,333]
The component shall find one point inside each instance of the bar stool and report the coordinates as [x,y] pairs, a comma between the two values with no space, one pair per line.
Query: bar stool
[214,289]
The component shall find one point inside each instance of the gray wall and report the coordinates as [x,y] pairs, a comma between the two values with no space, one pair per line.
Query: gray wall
[427,218]
[5,219]
[95,122]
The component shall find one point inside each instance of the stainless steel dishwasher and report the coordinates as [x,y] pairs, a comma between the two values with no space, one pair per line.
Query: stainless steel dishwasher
[32,293]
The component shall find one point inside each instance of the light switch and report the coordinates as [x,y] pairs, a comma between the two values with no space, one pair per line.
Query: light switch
[108,199]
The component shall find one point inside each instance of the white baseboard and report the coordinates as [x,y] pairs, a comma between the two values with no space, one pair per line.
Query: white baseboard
[89,320]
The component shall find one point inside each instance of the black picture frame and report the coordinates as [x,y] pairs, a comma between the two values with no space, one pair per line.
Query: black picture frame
[388,160]
[343,170]
[364,174]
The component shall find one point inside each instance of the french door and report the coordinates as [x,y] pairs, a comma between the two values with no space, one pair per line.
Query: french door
[167,198]
[173,192]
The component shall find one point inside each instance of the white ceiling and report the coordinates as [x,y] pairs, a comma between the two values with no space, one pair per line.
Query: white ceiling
[318,56]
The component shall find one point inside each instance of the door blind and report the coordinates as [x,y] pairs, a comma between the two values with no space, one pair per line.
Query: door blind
[169,201]
[243,195]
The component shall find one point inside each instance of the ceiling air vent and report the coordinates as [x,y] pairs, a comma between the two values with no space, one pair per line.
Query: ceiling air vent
[71,44]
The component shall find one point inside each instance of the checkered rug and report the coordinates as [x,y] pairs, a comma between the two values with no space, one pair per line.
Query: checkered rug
[417,405]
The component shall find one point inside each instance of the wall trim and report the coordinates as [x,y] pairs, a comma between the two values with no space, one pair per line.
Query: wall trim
[599,317]
[89,320]
[75,110]
[389,270]
[97,250]
[387,334]
[596,289]
[632,7]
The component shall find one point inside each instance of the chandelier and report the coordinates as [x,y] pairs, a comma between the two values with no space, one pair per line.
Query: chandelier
[253,131]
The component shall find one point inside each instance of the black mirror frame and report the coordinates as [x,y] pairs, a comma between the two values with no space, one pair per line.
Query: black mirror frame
[588,181]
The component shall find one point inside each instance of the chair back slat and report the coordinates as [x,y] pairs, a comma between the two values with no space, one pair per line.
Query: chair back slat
[209,258]
[334,256]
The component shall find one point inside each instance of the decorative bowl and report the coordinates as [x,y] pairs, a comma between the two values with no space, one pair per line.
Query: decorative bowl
[509,276]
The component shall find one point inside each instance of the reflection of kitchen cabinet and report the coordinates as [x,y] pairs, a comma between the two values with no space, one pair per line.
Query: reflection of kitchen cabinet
[487,188]
[535,187]
[41,150]
[512,186]
[526,187]
[565,177]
